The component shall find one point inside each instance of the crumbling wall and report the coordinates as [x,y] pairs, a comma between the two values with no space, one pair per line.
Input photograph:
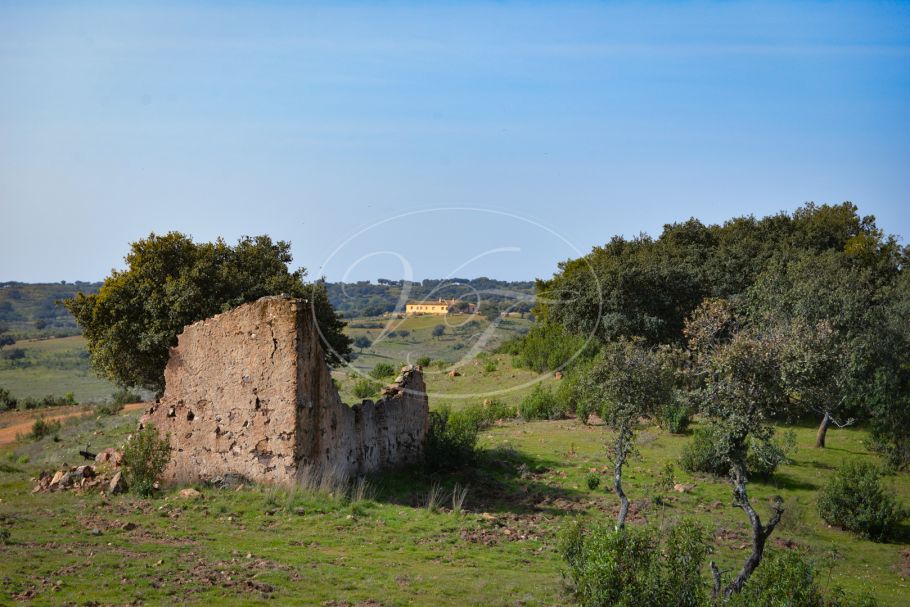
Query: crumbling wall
[248,392]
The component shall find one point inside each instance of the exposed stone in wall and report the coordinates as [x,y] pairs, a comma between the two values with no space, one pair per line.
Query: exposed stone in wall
[248,392]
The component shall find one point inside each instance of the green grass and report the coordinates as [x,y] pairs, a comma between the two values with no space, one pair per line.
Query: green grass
[454,345]
[55,366]
[309,548]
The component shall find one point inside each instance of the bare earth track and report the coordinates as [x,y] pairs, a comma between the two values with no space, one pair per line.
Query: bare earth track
[21,422]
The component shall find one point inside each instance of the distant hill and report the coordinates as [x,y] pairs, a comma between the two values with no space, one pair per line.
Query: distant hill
[30,310]
[365,298]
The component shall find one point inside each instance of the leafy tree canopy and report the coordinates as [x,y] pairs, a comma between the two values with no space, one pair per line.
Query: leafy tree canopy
[170,282]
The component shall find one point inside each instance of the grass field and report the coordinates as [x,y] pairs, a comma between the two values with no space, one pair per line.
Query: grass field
[54,366]
[261,545]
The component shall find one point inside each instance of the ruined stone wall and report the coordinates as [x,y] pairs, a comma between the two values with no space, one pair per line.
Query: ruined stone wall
[248,392]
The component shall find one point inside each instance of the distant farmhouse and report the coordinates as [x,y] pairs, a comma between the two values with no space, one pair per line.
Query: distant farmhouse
[440,307]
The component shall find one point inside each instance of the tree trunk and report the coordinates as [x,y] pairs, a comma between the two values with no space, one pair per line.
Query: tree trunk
[617,487]
[822,431]
[760,534]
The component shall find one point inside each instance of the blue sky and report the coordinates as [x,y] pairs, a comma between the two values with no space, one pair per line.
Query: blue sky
[558,124]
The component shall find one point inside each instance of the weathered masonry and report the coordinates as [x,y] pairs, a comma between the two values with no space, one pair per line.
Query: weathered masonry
[248,392]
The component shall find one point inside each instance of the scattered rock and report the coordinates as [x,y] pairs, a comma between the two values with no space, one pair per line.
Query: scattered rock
[190,493]
[95,531]
[681,488]
[558,375]
[454,373]
[117,484]
[128,526]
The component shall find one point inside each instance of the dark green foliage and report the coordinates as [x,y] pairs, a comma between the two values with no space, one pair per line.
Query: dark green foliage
[636,566]
[855,500]
[592,481]
[485,415]
[764,457]
[546,347]
[125,396]
[451,439]
[28,403]
[787,578]
[382,370]
[145,456]
[362,341]
[170,281]
[646,287]
[366,388]
[705,452]
[674,417]
[439,330]
[109,408]
[540,404]
[43,427]
[4,536]
[7,401]
[424,361]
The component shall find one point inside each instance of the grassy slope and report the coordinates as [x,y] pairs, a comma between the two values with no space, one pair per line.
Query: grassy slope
[312,549]
[61,366]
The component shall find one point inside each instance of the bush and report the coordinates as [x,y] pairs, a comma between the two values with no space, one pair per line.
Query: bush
[855,500]
[125,397]
[490,366]
[637,566]
[145,457]
[593,481]
[451,439]
[4,536]
[703,454]
[546,347]
[112,408]
[540,404]
[365,388]
[43,427]
[485,415]
[674,417]
[7,402]
[763,458]
[788,578]
[424,362]
[382,370]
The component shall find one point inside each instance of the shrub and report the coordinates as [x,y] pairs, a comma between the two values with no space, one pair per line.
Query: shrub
[593,481]
[424,361]
[43,427]
[125,397]
[703,453]
[7,402]
[485,415]
[636,566]
[764,457]
[855,500]
[382,370]
[788,578]
[112,408]
[4,536]
[451,439]
[365,388]
[674,417]
[540,404]
[145,457]
[546,347]
[490,366]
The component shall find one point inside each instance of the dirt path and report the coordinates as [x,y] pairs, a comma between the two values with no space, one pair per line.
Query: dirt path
[22,420]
